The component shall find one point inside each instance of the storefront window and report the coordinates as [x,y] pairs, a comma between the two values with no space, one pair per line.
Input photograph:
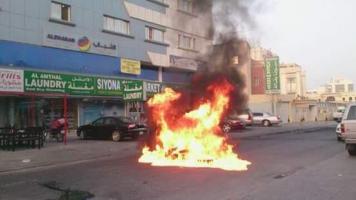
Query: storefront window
[35,111]
[135,110]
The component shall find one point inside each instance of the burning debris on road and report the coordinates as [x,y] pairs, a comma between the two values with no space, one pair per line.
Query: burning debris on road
[185,126]
[194,138]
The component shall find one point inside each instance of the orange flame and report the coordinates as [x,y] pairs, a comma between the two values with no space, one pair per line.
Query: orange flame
[193,139]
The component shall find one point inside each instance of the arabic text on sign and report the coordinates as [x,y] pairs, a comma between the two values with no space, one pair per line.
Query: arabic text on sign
[130,66]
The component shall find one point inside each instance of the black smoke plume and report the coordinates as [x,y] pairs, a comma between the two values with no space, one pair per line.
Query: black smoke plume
[230,53]
[220,62]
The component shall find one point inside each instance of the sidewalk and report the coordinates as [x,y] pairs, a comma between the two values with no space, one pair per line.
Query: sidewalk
[79,151]
[54,154]
[298,127]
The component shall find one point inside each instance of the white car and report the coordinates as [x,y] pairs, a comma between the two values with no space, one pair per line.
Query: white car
[266,119]
[337,116]
[338,132]
[247,117]
[348,128]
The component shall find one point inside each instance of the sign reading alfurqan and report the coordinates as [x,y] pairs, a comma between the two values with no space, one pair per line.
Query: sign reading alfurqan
[11,80]
[77,42]
[272,75]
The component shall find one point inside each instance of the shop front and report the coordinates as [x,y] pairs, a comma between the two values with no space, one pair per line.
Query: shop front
[34,98]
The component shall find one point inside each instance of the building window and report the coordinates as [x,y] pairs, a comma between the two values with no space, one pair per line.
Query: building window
[154,34]
[291,85]
[116,25]
[339,88]
[351,87]
[60,11]
[186,42]
[185,5]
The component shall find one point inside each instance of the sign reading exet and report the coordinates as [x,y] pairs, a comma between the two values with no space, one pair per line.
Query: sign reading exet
[272,75]
[151,88]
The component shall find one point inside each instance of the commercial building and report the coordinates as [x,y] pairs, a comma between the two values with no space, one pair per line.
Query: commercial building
[93,58]
[338,90]
[292,80]
[258,79]
[289,101]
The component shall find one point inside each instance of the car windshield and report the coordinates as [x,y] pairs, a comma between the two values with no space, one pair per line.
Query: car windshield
[341,110]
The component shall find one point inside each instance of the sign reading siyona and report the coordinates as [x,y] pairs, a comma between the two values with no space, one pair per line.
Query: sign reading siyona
[108,87]
[108,84]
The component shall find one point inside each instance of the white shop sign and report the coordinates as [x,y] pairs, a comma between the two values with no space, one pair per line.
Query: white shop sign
[79,42]
[11,80]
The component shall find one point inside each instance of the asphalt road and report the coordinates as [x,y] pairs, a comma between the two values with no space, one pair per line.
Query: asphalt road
[285,166]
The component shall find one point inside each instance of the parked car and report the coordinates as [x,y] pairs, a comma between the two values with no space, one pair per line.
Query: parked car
[337,116]
[338,132]
[114,128]
[266,119]
[232,123]
[247,117]
[348,128]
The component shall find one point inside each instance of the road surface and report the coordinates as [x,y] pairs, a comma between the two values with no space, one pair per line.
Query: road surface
[285,166]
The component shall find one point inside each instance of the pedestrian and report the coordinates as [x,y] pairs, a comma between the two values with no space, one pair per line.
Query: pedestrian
[57,125]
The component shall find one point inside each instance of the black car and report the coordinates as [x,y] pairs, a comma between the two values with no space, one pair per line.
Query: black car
[114,128]
[230,123]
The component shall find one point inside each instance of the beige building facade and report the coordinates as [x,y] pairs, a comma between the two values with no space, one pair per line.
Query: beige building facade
[338,90]
[186,32]
[293,80]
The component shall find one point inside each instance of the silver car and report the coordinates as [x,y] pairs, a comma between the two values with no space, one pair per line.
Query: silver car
[338,132]
[266,119]
[348,128]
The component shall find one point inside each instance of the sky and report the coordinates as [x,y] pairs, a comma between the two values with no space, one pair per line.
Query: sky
[319,35]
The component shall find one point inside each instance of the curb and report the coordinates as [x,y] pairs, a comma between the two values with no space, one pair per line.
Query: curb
[293,131]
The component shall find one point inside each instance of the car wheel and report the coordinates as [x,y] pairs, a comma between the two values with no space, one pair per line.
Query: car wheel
[351,148]
[116,136]
[226,128]
[266,123]
[82,135]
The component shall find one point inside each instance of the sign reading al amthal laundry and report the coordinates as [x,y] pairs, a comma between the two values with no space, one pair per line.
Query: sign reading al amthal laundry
[58,83]
[44,82]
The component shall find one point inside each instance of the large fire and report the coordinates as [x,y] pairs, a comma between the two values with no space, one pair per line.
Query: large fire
[193,139]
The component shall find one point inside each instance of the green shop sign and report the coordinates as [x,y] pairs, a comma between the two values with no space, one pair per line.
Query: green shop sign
[151,88]
[58,83]
[109,87]
[272,75]
[82,85]
[133,90]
